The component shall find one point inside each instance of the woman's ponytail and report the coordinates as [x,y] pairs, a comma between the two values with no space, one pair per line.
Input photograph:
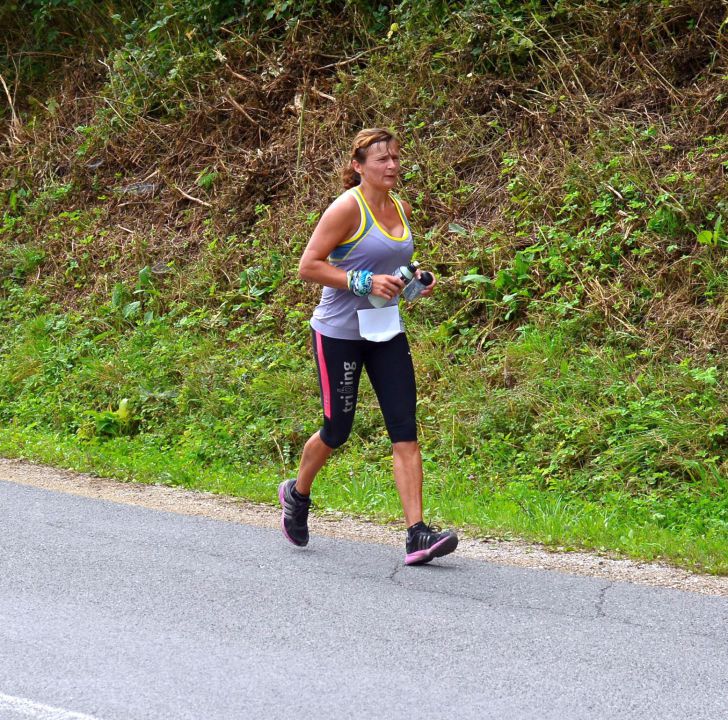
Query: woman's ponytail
[349,176]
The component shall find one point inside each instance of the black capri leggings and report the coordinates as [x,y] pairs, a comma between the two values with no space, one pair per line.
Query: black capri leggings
[389,367]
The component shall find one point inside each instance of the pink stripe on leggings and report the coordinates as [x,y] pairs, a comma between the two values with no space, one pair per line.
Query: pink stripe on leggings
[325,390]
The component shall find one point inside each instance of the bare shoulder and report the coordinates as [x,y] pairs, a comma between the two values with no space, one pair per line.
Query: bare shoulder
[343,215]
[338,223]
[345,205]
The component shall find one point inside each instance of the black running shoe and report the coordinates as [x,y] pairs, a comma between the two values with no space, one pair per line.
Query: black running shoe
[294,520]
[425,543]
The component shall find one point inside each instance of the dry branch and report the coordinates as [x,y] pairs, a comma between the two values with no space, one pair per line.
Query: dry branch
[190,197]
[244,112]
[15,123]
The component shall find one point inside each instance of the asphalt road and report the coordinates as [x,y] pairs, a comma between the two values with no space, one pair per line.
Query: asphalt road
[113,612]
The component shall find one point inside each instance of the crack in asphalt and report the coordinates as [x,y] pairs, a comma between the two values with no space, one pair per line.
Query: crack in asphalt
[599,611]
[157,498]
[601,597]
[594,609]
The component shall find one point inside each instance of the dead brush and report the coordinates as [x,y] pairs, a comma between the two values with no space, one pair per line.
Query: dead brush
[571,110]
[271,121]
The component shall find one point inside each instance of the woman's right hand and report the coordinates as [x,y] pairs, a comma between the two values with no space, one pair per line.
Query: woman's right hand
[386,286]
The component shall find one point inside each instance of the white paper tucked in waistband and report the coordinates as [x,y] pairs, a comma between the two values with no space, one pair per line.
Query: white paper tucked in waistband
[379,324]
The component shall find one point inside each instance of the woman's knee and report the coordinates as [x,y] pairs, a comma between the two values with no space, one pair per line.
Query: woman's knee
[406,447]
[334,437]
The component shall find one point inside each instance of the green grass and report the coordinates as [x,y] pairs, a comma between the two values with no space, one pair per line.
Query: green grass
[559,436]
[618,524]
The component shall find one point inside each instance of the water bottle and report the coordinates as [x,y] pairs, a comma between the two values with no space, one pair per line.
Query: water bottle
[416,285]
[413,286]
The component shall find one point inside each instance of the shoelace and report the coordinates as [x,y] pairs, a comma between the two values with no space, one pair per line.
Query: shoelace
[300,508]
[430,530]
[425,536]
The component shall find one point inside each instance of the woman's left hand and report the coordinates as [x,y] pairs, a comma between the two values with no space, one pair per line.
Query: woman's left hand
[429,288]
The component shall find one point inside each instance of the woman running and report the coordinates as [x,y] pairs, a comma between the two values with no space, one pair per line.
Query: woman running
[360,239]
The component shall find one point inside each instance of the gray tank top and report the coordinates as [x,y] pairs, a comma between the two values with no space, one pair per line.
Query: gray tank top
[370,248]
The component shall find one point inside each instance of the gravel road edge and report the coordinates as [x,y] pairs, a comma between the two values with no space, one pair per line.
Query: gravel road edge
[229,509]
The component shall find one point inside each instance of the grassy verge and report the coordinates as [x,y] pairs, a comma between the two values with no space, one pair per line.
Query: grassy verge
[618,524]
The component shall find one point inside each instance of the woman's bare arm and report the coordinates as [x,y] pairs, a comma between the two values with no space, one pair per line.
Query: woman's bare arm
[339,223]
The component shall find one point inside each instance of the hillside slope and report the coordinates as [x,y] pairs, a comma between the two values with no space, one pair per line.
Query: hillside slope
[166,162]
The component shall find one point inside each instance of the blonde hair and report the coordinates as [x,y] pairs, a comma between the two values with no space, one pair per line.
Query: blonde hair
[362,142]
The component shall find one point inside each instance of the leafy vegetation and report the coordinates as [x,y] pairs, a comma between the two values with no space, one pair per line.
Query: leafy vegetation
[166,162]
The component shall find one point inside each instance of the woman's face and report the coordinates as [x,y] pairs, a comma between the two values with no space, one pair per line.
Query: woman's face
[381,167]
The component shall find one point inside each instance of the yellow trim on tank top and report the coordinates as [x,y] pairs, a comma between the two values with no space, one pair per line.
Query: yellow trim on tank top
[402,213]
[362,221]
[356,238]
[405,227]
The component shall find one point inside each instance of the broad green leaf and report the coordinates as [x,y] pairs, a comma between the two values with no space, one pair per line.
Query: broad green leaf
[117,296]
[131,309]
[706,237]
